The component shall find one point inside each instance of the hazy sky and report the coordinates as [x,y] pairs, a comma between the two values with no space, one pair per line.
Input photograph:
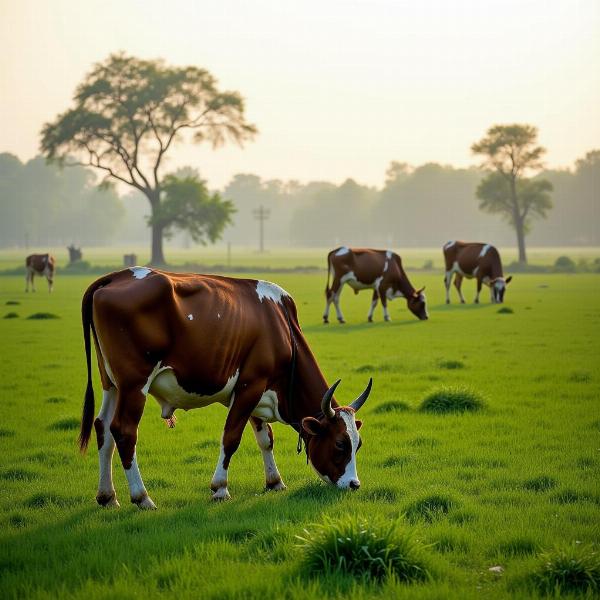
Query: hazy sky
[336,88]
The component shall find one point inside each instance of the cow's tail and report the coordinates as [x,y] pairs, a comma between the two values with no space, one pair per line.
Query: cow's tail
[328,274]
[87,417]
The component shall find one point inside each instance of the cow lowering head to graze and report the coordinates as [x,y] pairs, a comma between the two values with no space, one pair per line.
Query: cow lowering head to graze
[368,269]
[474,259]
[42,265]
[193,340]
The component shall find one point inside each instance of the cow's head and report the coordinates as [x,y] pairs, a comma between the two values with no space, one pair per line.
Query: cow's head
[498,287]
[334,440]
[417,304]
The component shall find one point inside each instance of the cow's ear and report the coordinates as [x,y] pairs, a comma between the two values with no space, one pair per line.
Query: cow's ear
[508,279]
[358,424]
[312,426]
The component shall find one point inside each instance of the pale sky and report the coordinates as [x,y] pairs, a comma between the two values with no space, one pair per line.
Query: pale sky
[337,88]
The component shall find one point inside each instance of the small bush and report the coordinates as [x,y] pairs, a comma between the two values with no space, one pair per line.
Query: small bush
[575,569]
[427,265]
[452,400]
[11,315]
[12,303]
[390,407]
[505,310]
[430,508]
[43,315]
[543,483]
[68,424]
[564,264]
[78,266]
[367,550]
[451,364]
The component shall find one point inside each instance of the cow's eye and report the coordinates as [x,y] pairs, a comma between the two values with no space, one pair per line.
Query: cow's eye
[340,445]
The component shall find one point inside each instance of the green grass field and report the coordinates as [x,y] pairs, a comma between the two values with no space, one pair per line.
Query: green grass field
[510,481]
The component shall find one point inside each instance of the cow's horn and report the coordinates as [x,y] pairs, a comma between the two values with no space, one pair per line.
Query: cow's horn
[363,397]
[326,402]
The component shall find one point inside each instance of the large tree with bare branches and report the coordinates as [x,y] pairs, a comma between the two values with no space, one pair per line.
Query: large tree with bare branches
[129,112]
[511,153]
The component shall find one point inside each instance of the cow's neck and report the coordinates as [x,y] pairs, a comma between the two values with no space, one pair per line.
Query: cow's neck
[405,286]
[496,270]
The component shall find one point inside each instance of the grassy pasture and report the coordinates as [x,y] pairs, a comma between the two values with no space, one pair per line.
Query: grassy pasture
[488,488]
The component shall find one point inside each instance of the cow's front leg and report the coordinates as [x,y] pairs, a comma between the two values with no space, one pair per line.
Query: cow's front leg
[373,306]
[264,438]
[106,495]
[478,291]
[383,298]
[130,406]
[244,400]
[458,279]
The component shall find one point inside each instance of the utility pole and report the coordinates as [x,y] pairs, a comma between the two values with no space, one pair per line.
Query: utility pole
[261,214]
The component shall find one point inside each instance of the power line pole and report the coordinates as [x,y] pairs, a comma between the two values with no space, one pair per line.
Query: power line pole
[261,214]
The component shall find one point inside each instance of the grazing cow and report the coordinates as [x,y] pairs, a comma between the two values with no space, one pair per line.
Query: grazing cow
[42,265]
[193,340]
[368,269]
[474,259]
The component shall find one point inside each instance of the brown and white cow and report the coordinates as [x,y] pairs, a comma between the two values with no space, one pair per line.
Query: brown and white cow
[474,259]
[42,265]
[368,269]
[193,340]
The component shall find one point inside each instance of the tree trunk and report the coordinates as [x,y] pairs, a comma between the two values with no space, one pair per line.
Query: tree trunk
[520,228]
[157,257]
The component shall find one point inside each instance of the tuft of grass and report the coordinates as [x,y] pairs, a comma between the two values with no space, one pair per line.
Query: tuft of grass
[380,494]
[395,462]
[56,400]
[42,316]
[516,547]
[369,550]
[505,310]
[390,407]
[430,508]
[12,303]
[574,569]
[580,377]
[452,400]
[44,500]
[68,424]
[543,483]
[11,315]
[6,433]
[451,364]
[18,475]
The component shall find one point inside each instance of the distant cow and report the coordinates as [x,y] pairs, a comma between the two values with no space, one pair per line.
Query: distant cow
[474,259]
[39,264]
[193,340]
[368,269]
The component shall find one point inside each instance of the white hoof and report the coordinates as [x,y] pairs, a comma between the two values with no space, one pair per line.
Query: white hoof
[221,494]
[145,503]
[276,486]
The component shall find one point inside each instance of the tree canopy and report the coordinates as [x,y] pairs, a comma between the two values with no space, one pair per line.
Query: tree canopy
[127,114]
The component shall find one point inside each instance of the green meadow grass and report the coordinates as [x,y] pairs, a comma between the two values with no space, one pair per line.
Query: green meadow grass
[498,487]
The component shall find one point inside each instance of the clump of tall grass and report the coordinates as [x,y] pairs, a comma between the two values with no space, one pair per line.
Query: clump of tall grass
[43,316]
[369,550]
[505,310]
[390,407]
[431,507]
[11,315]
[574,569]
[543,483]
[68,424]
[452,400]
[451,364]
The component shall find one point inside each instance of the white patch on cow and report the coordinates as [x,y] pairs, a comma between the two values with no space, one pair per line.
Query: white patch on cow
[267,408]
[325,478]
[377,282]
[140,272]
[271,291]
[486,280]
[218,315]
[219,479]
[105,452]
[351,279]
[350,472]
[137,489]
[263,440]
[343,250]
[158,368]
[105,361]
[475,270]
[163,385]
[484,250]
[190,317]
[449,245]
[388,254]
[385,267]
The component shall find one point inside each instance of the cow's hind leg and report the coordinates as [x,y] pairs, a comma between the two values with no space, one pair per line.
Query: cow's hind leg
[478,291]
[458,279]
[130,406]
[244,401]
[106,495]
[336,289]
[264,438]
[447,283]
[373,306]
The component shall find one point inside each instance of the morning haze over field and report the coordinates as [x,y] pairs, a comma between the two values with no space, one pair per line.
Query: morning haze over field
[190,192]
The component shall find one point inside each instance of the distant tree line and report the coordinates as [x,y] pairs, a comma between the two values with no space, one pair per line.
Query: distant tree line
[417,206]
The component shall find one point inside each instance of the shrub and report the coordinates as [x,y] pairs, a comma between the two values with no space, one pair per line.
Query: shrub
[543,483]
[564,264]
[452,400]
[11,315]
[427,265]
[392,406]
[568,570]
[505,310]
[451,364]
[370,550]
[43,315]
[430,508]
[12,303]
